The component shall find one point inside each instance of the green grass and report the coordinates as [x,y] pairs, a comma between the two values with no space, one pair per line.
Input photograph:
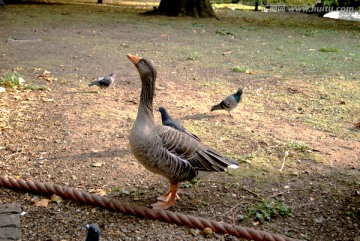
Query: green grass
[298,146]
[11,80]
[193,56]
[329,50]
[35,87]
[267,210]
[239,69]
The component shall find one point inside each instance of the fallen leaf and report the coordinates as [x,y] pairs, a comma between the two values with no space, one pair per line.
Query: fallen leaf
[47,100]
[97,164]
[46,72]
[195,232]
[42,202]
[100,192]
[357,125]
[56,199]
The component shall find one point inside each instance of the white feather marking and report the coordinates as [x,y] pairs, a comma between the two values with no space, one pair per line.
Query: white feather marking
[233,166]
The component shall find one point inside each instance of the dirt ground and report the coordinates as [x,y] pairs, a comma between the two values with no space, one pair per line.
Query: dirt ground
[302,97]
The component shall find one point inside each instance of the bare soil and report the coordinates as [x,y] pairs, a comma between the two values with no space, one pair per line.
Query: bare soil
[302,97]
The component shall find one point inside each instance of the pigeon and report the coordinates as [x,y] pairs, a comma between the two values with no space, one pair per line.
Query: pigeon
[167,120]
[2,3]
[230,102]
[93,233]
[104,82]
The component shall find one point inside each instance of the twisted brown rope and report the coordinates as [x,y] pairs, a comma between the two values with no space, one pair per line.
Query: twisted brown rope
[162,215]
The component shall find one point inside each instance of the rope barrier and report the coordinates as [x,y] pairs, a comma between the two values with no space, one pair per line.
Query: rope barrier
[138,211]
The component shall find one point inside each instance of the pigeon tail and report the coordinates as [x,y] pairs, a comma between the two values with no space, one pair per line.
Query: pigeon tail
[216,107]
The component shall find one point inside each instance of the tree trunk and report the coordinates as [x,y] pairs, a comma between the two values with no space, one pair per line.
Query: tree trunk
[193,8]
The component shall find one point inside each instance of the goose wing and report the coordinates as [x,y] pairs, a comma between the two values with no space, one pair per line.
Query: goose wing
[193,152]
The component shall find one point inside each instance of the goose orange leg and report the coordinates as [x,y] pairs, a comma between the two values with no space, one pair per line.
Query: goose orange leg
[168,200]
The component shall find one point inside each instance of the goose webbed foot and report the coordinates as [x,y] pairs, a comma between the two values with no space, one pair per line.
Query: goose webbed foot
[166,197]
[168,200]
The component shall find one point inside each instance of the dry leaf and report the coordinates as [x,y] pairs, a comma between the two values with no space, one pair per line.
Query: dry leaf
[56,199]
[42,203]
[97,164]
[47,100]
[100,192]
[357,125]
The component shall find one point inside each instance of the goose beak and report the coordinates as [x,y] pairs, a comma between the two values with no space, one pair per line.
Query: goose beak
[133,59]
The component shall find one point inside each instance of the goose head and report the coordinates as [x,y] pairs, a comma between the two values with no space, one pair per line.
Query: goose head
[147,72]
[145,67]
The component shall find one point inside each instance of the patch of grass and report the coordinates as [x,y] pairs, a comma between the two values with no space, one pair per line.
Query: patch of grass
[193,56]
[309,32]
[198,25]
[298,146]
[11,80]
[241,70]
[247,158]
[35,87]
[225,32]
[353,214]
[329,50]
[268,210]
[191,183]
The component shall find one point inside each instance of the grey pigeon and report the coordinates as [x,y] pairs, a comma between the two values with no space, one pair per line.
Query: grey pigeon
[93,233]
[230,102]
[104,82]
[167,120]
[2,3]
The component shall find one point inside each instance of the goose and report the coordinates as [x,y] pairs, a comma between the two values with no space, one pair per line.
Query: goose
[164,150]
[167,120]
[230,102]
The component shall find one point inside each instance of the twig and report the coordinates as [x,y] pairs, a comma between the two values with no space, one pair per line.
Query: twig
[277,194]
[253,193]
[284,159]
[233,208]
